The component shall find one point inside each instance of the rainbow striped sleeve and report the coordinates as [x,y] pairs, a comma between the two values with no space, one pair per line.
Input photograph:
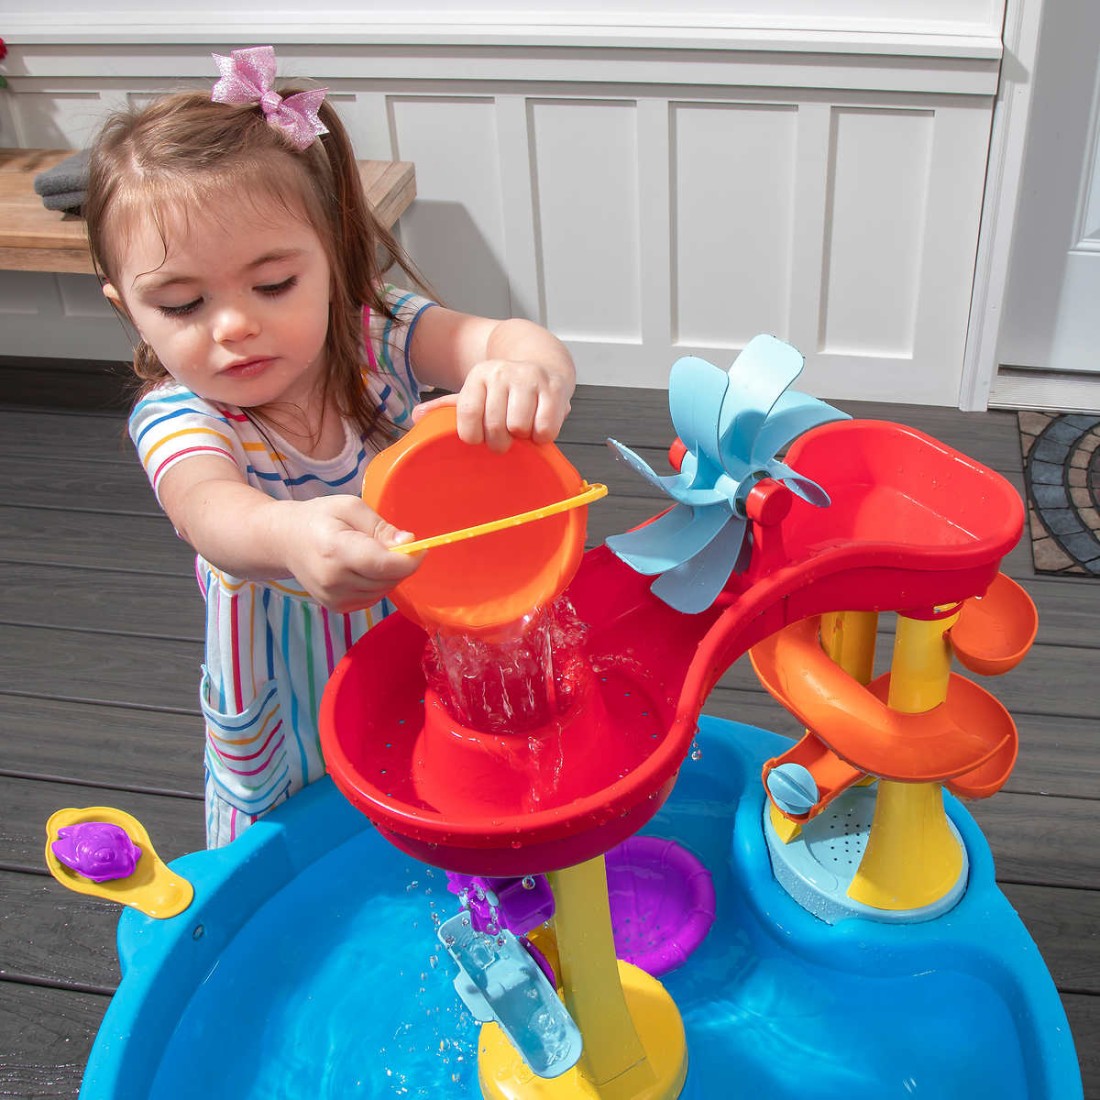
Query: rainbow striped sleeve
[172,424]
[388,343]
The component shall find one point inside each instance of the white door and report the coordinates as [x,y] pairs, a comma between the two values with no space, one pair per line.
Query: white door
[1051,315]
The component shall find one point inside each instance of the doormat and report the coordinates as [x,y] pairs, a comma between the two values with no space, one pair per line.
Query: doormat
[1061,453]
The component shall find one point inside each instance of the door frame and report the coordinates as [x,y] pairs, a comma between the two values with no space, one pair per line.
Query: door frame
[983,384]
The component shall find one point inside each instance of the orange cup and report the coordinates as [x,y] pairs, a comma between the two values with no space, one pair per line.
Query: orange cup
[430,483]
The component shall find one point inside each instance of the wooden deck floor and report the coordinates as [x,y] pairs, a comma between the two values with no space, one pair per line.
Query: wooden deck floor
[100,639]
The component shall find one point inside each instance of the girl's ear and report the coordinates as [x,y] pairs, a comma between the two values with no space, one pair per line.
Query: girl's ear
[112,295]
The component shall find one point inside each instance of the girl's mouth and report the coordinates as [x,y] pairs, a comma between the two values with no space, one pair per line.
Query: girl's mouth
[247,368]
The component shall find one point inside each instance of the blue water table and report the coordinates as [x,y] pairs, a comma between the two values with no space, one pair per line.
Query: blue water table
[538,870]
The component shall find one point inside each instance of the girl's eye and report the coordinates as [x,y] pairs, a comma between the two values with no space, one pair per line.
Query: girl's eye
[273,290]
[180,311]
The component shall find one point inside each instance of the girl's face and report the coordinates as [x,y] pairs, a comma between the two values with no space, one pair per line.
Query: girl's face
[235,306]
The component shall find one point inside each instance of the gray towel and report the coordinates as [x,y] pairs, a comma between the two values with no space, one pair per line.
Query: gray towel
[67,177]
[69,201]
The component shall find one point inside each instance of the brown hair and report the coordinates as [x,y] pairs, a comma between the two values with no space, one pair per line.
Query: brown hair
[184,150]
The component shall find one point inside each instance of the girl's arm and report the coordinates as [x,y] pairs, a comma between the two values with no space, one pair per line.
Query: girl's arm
[336,547]
[512,378]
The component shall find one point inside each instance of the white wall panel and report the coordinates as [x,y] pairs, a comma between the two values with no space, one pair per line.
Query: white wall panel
[81,298]
[734,170]
[586,171]
[644,203]
[59,120]
[878,203]
[26,294]
[727,11]
[455,229]
[58,316]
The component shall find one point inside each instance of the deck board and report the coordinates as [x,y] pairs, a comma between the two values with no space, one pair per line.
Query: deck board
[47,1036]
[100,638]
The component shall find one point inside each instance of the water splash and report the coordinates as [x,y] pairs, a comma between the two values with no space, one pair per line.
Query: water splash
[516,680]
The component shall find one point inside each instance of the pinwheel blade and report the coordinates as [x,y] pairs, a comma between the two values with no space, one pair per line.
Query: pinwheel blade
[793,414]
[803,487]
[670,539]
[696,390]
[681,486]
[668,483]
[758,377]
[694,585]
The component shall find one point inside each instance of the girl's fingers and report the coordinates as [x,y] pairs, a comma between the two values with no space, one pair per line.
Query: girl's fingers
[382,562]
[499,402]
[419,411]
[523,404]
[495,418]
[549,417]
[471,410]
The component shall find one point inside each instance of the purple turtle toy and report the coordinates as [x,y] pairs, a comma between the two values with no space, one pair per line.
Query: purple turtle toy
[97,850]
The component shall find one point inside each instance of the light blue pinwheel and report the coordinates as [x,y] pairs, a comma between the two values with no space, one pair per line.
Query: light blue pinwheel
[732,423]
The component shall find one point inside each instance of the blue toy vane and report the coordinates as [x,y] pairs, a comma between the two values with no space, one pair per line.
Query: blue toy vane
[500,982]
[732,423]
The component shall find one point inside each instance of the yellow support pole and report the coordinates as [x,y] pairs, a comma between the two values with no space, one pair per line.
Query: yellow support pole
[634,1044]
[912,859]
[848,637]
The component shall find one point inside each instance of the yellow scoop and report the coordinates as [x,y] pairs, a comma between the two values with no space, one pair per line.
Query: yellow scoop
[151,888]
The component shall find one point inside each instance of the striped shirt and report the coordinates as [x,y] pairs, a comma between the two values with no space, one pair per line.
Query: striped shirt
[269,648]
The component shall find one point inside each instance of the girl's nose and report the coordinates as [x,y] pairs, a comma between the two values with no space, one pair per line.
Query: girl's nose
[233,323]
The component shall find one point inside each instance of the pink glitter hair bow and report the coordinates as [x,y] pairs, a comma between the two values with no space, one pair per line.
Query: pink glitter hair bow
[248,76]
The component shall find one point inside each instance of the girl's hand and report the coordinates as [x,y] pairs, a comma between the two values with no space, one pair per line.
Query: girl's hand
[339,550]
[501,400]
[513,378]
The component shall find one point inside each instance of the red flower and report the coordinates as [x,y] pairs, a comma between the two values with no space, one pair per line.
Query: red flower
[3,49]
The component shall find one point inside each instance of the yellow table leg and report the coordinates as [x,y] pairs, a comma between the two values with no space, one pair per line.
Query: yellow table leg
[912,857]
[634,1045]
[848,637]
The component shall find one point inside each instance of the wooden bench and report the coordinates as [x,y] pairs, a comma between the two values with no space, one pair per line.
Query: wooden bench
[33,238]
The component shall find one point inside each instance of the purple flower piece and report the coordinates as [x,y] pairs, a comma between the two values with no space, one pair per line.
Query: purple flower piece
[97,850]
[515,904]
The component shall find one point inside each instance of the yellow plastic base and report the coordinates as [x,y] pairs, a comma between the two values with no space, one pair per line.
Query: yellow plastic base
[152,888]
[913,859]
[659,1075]
[784,827]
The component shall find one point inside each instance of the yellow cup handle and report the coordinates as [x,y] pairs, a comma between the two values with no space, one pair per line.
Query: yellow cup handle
[587,495]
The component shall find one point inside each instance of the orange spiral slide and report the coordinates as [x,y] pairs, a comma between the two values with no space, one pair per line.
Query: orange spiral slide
[968,742]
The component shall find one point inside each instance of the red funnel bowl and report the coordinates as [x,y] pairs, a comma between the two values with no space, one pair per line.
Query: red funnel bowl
[913,524]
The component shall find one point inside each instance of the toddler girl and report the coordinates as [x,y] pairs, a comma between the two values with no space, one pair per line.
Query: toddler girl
[232,232]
